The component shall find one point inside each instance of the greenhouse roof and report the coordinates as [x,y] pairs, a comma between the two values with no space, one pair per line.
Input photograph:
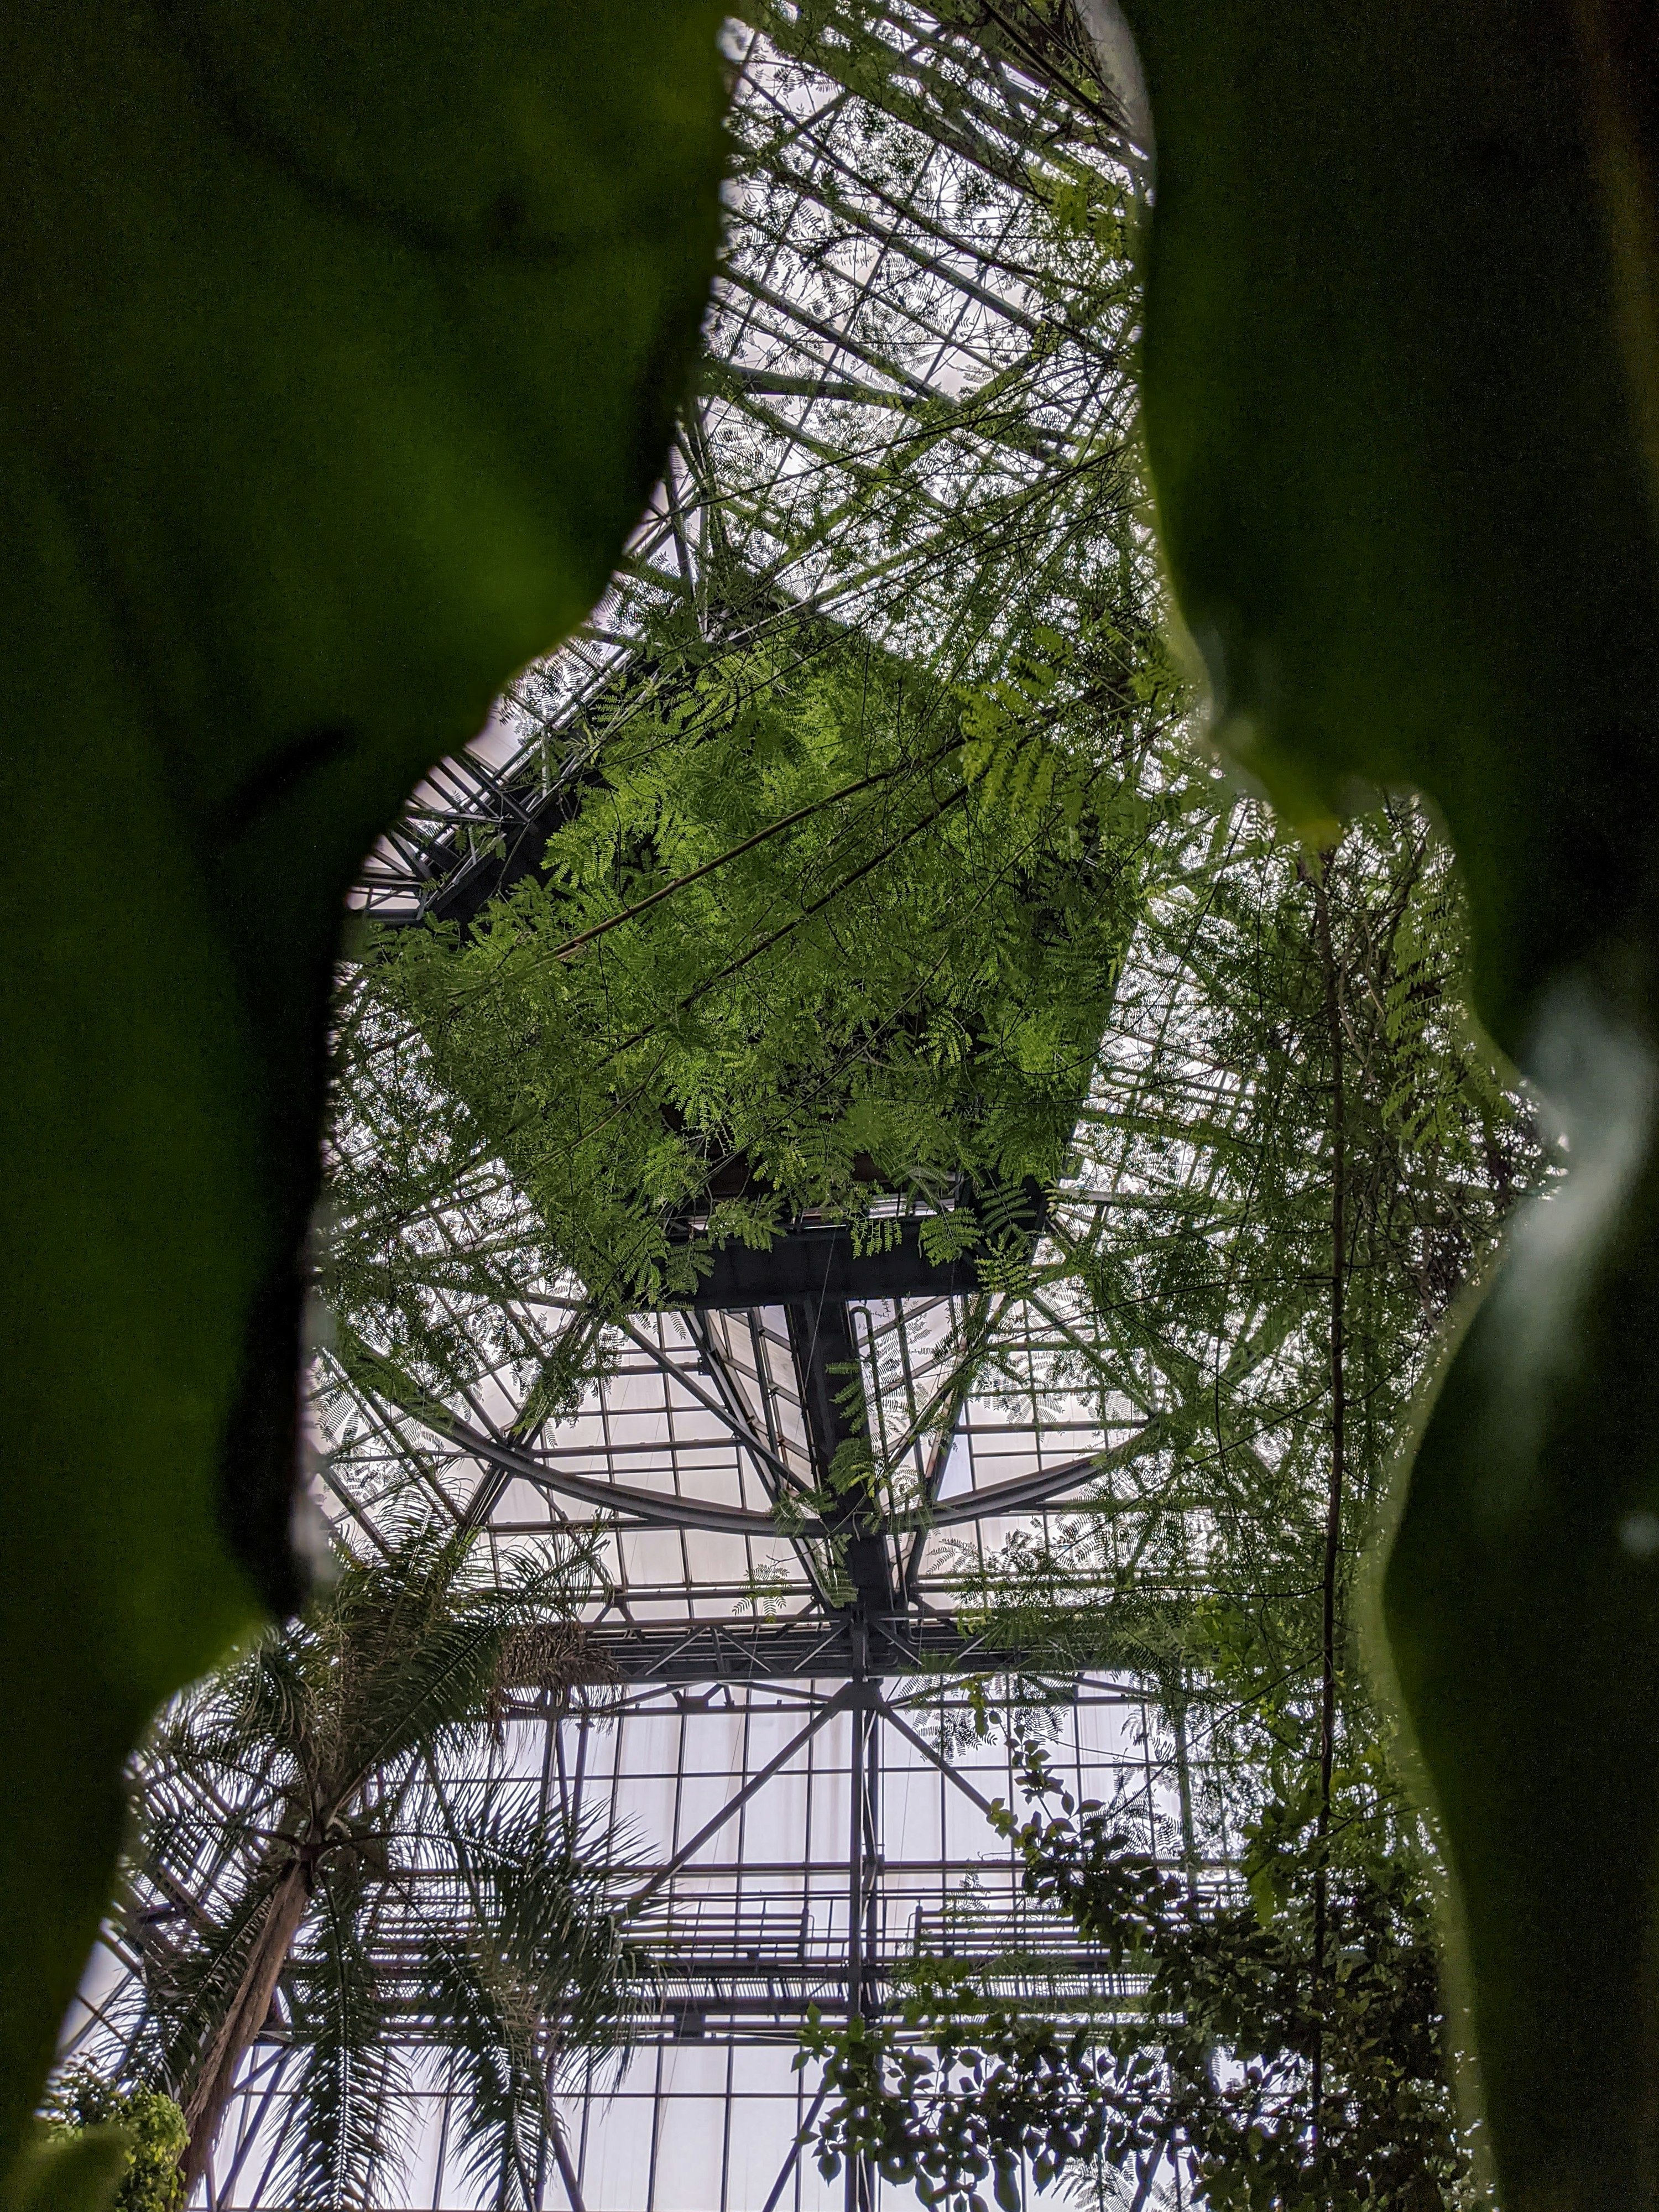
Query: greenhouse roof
[915,418]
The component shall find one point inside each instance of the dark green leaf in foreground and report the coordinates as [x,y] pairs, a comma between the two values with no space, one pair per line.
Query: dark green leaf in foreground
[1395,291]
[338,356]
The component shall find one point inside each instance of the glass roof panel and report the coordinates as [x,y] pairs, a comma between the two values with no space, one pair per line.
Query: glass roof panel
[915,414]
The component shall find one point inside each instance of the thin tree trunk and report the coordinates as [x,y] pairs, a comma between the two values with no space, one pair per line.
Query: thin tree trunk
[1184,1791]
[1333,1496]
[210,2091]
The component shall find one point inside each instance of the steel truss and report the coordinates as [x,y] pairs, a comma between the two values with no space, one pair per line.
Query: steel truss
[781,1739]
[915,416]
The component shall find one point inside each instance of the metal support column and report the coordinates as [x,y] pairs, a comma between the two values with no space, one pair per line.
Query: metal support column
[863,1880]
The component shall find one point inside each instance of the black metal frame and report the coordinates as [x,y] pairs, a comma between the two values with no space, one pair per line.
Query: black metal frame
[762,1360]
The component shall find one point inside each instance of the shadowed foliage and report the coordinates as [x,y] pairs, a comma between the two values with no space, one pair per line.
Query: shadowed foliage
[339,357]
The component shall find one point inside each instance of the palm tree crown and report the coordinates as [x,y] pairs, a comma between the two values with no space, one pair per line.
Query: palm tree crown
[308,1868]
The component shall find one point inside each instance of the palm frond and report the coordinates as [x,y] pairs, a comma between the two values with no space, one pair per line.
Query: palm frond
[525,1965]
[350,2102]
[424,1633]
[189,1983]
[330,1746]
[488,2023]
[543,1887]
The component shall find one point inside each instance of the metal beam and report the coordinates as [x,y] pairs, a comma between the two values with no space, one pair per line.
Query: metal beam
[567,2169]
[727,1415]
[792,2156]
[816,1647]
[829,1369]
[912,1736]
[662,1508]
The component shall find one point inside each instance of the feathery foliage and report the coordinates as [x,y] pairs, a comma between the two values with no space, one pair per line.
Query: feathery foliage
[308,1870]
[790,952]
[1292,2045]
[875,590]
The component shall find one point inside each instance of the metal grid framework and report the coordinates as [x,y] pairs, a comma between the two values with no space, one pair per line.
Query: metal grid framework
[794,1778]
[797,1791]
[915,414]
[916,406]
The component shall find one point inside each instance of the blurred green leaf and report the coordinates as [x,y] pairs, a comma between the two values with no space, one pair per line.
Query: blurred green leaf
[339,356]
[74,2173]
[1398,398]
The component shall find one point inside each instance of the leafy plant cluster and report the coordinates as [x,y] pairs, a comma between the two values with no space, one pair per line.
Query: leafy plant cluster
[153,2179]
[1211,2057]
[1187,1292]
[989,621]
[1260,1301]
[805,943]
[951,511]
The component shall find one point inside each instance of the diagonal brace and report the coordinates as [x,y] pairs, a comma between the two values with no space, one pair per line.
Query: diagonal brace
[939,1759]
[843,1697]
